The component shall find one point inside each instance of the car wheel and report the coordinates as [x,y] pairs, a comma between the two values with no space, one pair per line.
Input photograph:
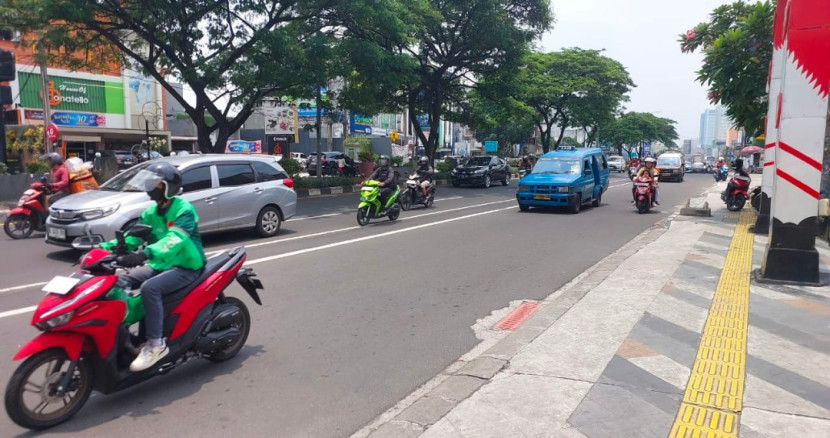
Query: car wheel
[268,222]
[455,184]
[487,181]
[523,207]
[506,180]
[577,205]
[598,201]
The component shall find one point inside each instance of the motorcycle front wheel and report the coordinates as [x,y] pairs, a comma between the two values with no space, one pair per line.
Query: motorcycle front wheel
[736,203]
[31,395]
[406,200]
[642,206]
[363,216]
[19,226]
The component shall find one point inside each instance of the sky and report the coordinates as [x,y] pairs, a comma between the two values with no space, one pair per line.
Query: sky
[642,35]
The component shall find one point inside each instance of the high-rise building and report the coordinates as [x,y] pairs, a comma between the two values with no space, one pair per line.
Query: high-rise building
[716,128]
[687,146]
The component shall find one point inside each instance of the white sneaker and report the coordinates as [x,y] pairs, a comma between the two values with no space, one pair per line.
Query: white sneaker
[148,356]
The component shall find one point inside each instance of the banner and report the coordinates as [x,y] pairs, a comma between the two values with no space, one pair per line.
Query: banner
[360,124]
[243,147]
[280,119]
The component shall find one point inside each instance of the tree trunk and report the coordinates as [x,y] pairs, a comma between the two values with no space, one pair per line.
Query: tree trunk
[561,133]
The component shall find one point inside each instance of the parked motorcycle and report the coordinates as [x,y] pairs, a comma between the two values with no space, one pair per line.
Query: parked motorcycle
[413,194]
[721,173]
[370,207]
[31,211]
[736,192]
[86,343]
[644,194]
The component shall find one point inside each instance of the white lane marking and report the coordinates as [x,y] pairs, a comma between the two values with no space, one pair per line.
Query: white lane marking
[17,311]
[304,218]
[323,233]
[373,236]
[25,286]
[447,199]
[620,185]
[320,248]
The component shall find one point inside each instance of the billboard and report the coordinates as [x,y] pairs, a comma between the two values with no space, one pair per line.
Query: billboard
[243,147]
[360,124]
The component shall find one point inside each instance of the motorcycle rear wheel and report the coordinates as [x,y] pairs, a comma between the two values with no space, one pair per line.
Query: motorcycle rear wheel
[19,226]
[244,328]
[363,216]
[406,200]
[20,384]
[393,213]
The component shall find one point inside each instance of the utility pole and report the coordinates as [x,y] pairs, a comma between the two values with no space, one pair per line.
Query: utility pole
[318,125]
[46,97]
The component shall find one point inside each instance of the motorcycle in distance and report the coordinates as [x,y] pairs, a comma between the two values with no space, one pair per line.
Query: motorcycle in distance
[736,192]
[644,194]
[30,213]
[87,343]
[721,173]
[413,194]
[370,208]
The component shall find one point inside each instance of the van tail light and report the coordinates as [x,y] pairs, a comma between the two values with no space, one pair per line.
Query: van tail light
[288,182]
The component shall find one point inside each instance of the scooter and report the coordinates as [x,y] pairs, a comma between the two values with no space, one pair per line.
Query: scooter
[721,173]
[632,172]
[30,213]
[736,192]
[644,194]
[414,195]
[87,344]
[370,207]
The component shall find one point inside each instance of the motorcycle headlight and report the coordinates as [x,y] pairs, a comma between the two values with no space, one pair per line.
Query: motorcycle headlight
[57,321]
[96,213]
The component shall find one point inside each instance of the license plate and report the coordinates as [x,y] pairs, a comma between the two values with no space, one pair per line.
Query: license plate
[57,233]
[60,285]
[542,197]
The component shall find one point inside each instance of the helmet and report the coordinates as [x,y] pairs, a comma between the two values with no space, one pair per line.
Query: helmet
[720,158]
[650,160]
[147,180]
[423,161]
[383,160]
[53,158]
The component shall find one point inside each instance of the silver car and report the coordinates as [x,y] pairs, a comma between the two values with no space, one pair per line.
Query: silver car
[228,191]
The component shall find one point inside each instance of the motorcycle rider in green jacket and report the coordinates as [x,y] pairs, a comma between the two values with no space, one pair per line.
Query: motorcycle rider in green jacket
[174,254]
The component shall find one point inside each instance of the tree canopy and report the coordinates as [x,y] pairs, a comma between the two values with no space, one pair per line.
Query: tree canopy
[632,128]
[737,48]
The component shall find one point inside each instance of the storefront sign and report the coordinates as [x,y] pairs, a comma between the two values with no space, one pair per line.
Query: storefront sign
[73,94]
[33,114]
[359,124]
[78,119]
[244,147]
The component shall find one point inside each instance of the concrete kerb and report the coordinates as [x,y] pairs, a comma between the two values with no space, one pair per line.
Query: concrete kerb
[435,398]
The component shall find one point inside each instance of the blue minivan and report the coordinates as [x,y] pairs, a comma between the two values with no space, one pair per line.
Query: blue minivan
[567,177]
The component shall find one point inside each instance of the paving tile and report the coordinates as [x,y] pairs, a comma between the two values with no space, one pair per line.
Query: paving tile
[457,387]
[397,429]
[666,369]
[777,425]
[442,429]
[482,367]
[760,394]
[631,349]
[797,384]
[624,373]
[678,350]
[426,411]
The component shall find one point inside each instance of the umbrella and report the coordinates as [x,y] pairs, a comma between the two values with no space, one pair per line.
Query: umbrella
[749,150]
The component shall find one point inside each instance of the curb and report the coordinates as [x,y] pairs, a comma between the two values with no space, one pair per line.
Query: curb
[342,190]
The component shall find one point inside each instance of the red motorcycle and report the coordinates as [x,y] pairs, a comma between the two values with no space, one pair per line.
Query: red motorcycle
[87,342]
[30,213]
[736,192]
[644,195]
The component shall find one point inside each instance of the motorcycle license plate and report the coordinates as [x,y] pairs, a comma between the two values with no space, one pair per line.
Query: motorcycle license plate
[60,285]
[542,197]
[57,233]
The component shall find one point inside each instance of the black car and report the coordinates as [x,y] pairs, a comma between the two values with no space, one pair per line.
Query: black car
[125,159]
[482,171]
[330,164]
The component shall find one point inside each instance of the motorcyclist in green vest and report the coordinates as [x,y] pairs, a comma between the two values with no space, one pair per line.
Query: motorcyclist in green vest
[174,254]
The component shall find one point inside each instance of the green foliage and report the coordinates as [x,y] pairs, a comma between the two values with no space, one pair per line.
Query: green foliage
[632,128]
[291,166]
[569,141]
[3,168]
[737,49]
[397,161]
[444,167]
[317,183]
[37,167]
[442,175]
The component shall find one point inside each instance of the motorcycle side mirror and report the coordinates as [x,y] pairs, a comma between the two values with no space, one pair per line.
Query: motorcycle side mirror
[86,243]
[43,178]
[141,231]
[119,237]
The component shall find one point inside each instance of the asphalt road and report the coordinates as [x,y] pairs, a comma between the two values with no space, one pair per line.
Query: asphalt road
[354,319]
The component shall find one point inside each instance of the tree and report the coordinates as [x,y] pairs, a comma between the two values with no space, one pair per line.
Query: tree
[737,49]
[229,54]
[574,87]
[423,55]
[507,121]
[632,128]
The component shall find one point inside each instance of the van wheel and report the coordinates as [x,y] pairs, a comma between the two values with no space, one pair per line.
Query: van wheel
[268,222]
[598,200]
[577,205]
[524,207]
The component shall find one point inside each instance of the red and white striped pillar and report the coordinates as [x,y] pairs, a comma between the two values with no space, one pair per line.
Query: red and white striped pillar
[774,90]
[801,123]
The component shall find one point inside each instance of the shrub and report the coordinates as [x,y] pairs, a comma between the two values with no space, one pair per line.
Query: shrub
[397,161]
[291,166]
[442,175]
[444,167]
[316,183]
[4,169]
[37,167]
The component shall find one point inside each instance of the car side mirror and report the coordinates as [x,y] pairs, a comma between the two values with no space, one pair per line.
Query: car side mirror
[141,231]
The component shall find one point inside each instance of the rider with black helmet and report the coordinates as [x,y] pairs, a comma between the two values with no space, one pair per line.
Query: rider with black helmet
[174,255]
[386,175]
[425,178]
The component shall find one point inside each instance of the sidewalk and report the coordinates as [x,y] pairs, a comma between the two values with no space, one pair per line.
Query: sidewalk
[665,337]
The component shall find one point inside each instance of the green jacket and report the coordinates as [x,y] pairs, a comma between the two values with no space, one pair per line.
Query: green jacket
[175,240]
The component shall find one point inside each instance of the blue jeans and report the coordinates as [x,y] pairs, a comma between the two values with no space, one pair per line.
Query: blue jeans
[154,284]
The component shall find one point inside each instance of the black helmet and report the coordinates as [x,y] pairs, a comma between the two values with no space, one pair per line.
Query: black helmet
[383,160]
[53,158]
[424,161]
[147,179]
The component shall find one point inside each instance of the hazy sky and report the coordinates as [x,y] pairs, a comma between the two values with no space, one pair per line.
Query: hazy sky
[642,35]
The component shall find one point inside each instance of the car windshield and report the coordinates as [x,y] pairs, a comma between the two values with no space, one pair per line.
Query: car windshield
[668,161]
[119,183]
[557,165]
[478,161]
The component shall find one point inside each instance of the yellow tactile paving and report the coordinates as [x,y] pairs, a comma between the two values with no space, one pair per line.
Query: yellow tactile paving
[715,390]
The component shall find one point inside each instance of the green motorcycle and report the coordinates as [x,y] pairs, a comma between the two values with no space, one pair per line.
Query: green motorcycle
[370,207]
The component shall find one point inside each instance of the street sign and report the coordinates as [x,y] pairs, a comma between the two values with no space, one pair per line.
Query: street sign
[52,132]
[393,136]
[491,146]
